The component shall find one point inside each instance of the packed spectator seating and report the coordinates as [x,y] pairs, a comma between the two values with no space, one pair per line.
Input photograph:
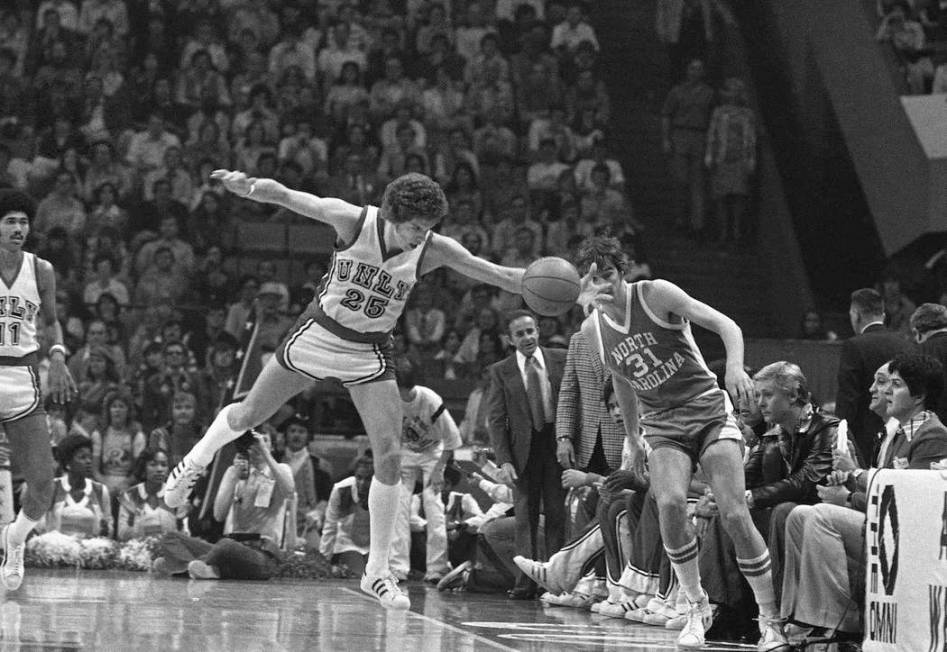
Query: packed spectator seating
[113,113]
[916,33]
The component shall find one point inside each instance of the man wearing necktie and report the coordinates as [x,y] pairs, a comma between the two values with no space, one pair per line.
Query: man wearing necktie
[524,389]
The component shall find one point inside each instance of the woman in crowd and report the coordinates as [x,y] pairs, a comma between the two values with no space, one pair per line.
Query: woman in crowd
[346,92]
[81,506]
[142,512]
[100,378]
[116,443]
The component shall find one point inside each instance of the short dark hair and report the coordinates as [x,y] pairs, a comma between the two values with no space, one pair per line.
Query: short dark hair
[296,420]
[868,301]
[513,315]
[15,201]
[404,374]
[604,251]
[69,445]
[922,374]
[413,195]
[146,456]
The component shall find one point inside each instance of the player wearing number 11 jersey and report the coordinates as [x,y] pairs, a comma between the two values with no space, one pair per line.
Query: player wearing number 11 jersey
[27,299]
[346,334]
[661,381]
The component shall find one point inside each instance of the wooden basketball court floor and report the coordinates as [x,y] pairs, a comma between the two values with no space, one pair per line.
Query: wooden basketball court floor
[110,610]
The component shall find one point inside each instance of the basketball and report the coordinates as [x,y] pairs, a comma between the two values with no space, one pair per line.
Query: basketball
[550,286]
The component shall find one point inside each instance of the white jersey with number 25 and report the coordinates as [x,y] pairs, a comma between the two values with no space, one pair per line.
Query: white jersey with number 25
[366,287]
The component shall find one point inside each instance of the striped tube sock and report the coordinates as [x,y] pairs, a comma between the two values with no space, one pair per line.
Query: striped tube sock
[684,563]
[758,573]
[383,503]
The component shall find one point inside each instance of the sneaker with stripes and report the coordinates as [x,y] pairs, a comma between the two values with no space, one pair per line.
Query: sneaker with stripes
[539,573]
[385,589]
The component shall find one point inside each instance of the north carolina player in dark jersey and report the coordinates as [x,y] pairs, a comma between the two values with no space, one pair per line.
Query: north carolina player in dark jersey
[345,334]
[661,381]
[27,299]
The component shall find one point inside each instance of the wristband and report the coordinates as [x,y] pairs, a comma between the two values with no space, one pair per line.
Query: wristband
[564,438]
[57,347]
[252,188]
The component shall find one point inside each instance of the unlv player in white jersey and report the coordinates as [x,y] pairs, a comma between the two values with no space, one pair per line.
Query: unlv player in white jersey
[345,334]
[27,294]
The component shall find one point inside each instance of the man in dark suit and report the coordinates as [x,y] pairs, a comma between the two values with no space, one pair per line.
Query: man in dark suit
[929,325]
[521,404]
[861,355]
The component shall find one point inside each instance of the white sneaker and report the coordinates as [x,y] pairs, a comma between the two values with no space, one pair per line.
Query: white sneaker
[617,609]
[180,482]
[538,572]
[580,600]
[11,571]
[199,570]
[556,599]
[678,622]
[699,619]
[657,612]
[772,636]
[386,590]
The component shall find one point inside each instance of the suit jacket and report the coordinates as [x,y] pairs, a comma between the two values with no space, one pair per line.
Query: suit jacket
[774,477]
[509,422]
[936,347]
[581,410]
[860,358]
[928,444]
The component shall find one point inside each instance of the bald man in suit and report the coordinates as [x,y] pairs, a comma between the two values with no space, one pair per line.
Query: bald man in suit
[521,403]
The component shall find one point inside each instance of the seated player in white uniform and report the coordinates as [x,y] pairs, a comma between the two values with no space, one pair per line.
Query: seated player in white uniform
[345,334]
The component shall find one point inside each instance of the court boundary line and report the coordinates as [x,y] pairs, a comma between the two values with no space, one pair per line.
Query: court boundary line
[453,628]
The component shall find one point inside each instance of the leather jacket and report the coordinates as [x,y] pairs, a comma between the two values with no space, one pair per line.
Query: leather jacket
[789,473]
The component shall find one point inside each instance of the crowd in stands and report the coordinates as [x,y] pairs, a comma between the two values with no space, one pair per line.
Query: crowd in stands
[916,32]
[113,113]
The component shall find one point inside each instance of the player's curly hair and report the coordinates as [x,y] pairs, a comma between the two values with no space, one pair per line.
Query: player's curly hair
[411,196]
[13,201]
[604,251]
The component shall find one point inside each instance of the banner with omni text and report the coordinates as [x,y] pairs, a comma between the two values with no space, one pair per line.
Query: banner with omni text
[906,572]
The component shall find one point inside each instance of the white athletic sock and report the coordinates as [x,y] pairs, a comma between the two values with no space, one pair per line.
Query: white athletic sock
[684,563]
[759,575]
[383,502]
[217,435]
[20,528]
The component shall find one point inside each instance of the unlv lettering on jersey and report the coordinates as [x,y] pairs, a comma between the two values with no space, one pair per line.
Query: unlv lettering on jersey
[10,307]
[372,278]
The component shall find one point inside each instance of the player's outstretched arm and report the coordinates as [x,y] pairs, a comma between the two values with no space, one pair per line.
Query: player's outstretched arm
[664,297]
[447,252]
[337,213]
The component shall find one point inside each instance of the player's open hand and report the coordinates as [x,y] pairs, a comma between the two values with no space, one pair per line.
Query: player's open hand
[594,292]
[61,385]
[234,181]
[739,385]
